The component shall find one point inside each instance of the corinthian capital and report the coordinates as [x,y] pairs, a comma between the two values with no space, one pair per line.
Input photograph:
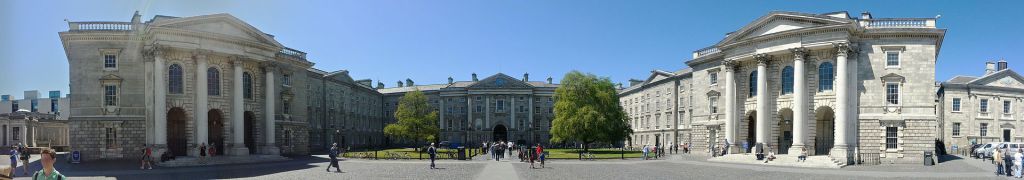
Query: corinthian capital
[842,49]
[729,64]
[762,59]
[799,53]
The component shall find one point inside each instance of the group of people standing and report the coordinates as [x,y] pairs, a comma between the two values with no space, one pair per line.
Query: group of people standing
[19,152]
[497,149]
[648,150]
[1007,164]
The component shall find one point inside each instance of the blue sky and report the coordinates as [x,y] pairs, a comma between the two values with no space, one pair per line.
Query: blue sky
[428,41]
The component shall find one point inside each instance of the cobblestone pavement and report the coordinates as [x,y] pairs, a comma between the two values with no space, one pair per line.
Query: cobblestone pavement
[673,167]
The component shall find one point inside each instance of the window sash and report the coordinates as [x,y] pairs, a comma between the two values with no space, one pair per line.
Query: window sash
[110,95]
[892,59]
[826,77]
[891,137]
[983,130]
[956,104]
[956,129]
[892,93]
[984,105]
[1007,107]
[109,61]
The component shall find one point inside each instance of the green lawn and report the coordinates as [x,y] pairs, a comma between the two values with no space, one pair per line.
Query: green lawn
[598,153]
[400,153]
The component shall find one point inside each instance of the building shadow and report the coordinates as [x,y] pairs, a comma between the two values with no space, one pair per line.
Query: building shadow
[129,169]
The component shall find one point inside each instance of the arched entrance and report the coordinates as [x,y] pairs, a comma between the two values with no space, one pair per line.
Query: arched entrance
[250,137]
[500,133]
[824,130]
[177,137]
[785,136]
[751,130]
[216,132]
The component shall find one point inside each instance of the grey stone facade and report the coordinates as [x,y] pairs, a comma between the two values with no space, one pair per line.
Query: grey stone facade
[981,109]
[846,116]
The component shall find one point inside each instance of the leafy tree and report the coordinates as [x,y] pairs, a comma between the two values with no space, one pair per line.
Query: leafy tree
[587,110]
[417,120]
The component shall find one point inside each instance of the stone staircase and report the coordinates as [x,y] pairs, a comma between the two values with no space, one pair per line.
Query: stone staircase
[781,160]
[219,160]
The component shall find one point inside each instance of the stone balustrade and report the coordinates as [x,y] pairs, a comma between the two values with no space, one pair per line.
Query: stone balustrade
[100,26]
[899,23]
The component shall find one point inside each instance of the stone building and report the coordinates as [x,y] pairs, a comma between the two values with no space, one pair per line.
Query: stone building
[982,109]
[860,90]
[658,108]
[31,102]
[343,110]
[178,82]
[496,108]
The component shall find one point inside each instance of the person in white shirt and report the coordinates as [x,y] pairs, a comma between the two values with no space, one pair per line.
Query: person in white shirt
[1017,157]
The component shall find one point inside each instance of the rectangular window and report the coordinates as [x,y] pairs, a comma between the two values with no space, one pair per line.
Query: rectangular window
[111,138]
[892,59]
[479,108]
[1006,107]
[891,138]
[500,105]
[983,131]
[110,95]
[892,93]
[956,129]
[713,77]
[16,133]
[109,61]
[713,105]
[956,104]
[983,105]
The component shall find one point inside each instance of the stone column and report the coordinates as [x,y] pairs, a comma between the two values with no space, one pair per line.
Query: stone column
[762,98]
[160,100]
[441,114]
[840,151]
[513,112]
[852,100]
[200,112]
[730,105]
[799,101]
[469,115]
[487,112]
[268,112]
[238,111]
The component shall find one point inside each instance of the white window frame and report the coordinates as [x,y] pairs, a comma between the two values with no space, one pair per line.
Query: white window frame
[713,77]
[115,96]
[109,52]
[983,129]
[899,57]
[713,105]
[956,129]
[898,95]
[983,105]
[956,104]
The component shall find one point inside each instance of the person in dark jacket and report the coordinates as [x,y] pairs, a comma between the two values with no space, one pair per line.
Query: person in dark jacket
[333,154]
[433,154]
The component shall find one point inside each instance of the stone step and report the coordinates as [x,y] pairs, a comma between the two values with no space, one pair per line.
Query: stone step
[781,160]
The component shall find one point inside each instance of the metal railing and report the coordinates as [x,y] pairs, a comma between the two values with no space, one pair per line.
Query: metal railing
[705,51]
[294,53]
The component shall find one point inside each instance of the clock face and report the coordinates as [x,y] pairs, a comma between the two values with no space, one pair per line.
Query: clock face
[499,82]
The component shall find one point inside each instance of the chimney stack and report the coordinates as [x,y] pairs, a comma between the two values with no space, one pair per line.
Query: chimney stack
[474,77]
[990,67]
[1001,65]
[634,82]
[399,83]
[408,82]
[451,80]
[380,85]
[865,15]
[526,77]
[549,80]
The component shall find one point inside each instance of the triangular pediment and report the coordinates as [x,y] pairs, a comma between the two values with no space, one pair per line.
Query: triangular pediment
[776,22]
[500,81]
[223,24]
[1005,78]
[657,75]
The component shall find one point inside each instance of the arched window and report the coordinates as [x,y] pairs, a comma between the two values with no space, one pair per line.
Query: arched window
[174,80]
[753,83]
[787,80]
[247,85]
[213,82]
[825,76]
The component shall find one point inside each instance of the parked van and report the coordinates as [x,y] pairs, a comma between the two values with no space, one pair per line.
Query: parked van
[986,151]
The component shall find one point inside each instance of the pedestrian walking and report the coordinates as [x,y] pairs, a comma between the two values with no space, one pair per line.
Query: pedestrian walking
[48,157]
[997,158]
[147,157]
[212,149]
[25,155]
[14,160]
[725,145]
[1008,162]
[533,157]
[202,153]
[433,154]
[333,154]
[540,154]
[1017,157]
[645,150]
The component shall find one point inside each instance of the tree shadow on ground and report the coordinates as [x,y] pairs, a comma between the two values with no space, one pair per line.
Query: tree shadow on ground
[129,169]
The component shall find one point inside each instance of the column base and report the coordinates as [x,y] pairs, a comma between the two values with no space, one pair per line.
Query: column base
[238,150]
[841,154]
[795,150]
[271,150]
